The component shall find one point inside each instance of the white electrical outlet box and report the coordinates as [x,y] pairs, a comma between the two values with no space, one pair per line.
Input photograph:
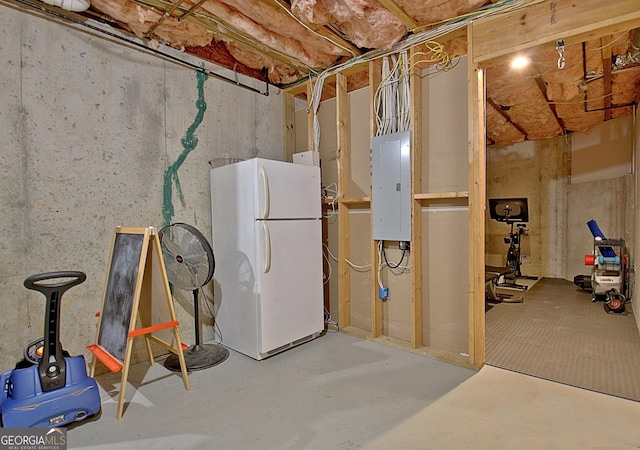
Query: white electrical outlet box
[391,186]
[310,158]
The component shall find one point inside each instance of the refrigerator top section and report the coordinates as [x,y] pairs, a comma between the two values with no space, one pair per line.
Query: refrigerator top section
[275,189]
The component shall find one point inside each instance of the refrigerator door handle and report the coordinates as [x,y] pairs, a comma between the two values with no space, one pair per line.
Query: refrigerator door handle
[266,265]
[265,193]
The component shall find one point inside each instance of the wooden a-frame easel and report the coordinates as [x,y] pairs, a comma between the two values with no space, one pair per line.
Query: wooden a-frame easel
[136,289]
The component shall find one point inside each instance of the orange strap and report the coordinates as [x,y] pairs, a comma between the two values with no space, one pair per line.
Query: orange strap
[152,329]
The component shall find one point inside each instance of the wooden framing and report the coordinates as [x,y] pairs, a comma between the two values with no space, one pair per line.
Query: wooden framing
[346,203]
[549,21]
[377,319]
[477,193]
[415,257]
[344,171]
[488,40]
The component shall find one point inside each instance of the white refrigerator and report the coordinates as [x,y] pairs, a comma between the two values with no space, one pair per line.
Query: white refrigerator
[267,242]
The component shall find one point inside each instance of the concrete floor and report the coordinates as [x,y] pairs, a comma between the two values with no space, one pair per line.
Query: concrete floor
[340,392]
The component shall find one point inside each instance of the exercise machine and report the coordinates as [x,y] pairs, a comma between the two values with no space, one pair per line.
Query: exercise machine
[48,387]
[494,277]
[512,211]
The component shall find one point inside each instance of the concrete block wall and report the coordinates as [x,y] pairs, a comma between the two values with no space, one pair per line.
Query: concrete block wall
[89,128]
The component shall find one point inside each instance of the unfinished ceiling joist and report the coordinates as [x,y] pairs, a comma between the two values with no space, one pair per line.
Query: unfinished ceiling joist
[400,13]
[543,89]
[285,43]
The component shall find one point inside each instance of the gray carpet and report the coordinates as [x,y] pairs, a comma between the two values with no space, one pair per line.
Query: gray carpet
[559,335]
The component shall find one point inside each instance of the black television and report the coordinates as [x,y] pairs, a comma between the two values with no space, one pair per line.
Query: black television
[509,209]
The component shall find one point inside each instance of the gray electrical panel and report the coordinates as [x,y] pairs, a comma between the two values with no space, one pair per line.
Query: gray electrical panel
[391,186]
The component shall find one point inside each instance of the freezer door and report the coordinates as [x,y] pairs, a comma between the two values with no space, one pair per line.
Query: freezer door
[286,190]
[290,282]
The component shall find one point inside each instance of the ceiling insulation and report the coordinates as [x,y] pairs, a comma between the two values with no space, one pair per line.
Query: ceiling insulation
[285,42]
[365,23]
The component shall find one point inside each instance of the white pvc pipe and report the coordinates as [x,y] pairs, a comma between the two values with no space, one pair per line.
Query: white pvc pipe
[70,5]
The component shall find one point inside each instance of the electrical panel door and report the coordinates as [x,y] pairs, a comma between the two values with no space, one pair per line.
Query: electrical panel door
[391,187]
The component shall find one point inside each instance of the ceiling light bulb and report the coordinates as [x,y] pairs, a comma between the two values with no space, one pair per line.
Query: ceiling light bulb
[520,62]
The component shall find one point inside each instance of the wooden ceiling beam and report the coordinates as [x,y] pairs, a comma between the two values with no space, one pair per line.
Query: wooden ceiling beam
[394,9]
[300,89]
[548,21]
[506,117]
[163,17]
[537,76]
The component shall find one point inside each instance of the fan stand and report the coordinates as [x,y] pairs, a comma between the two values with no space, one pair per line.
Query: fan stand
[188,253]
[198,356]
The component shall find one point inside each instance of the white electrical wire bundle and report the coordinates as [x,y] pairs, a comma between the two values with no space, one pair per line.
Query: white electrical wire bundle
[383,98]
[393,96]
[385,92]
[403,96]
[390,98]
[384,262]
[380,265]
